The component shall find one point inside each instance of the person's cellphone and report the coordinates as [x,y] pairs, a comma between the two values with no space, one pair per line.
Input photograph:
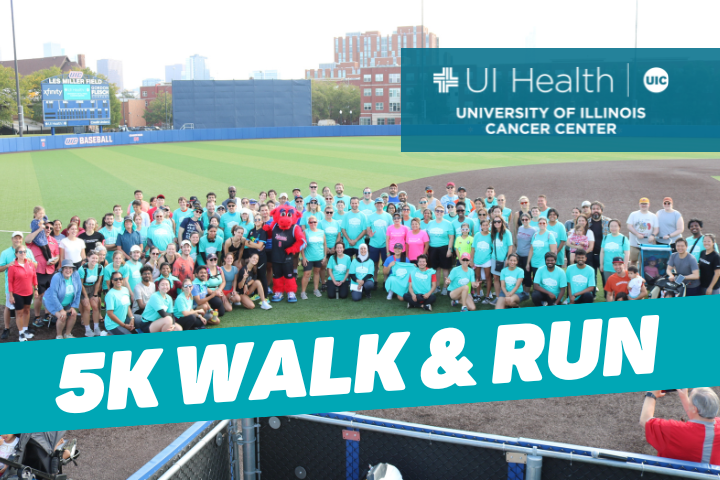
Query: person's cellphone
[670,391]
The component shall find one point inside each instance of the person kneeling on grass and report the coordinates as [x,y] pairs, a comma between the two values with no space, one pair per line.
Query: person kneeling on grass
[62,299]
[186,316]
[580,280]
[248,285]
[511,285]
[118,308]
[361,274]
[396,272]
[338,271]
[421,287]
[157,316]
[550,283]
[457,283]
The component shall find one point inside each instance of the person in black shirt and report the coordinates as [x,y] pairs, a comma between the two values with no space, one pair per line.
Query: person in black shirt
[709,267]
[256,243]
[191,225]
[90,236]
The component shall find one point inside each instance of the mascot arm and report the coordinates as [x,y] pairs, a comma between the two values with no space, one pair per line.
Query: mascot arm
[299,240]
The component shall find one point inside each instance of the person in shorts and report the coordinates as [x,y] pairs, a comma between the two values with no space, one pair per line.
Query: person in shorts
[643,226]
[442,238]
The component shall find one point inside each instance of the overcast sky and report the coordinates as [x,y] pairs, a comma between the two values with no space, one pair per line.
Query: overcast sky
[290,36]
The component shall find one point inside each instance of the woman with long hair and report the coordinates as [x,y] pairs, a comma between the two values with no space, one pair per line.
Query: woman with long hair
[338,271]
[511,285]
[614,244]
[502,244]
[542,242]
[580,237]
[72,248]
[406,215]
[230,272]
[257,241]
[91,277]
[154,262]
[186,316]
[235,244]
[157,316]
[216,283]
[248,284]
[481,259]
[391,209]
[170,255]
[194,244]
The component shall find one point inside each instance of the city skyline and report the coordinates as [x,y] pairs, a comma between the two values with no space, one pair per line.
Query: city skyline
[292,46]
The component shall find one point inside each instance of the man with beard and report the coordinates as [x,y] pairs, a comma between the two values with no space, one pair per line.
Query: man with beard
[643,226]
[460,218]
[339,189]
[463,200]
[402,196]
[695,241]
[550,283]
[110,233]
[393,196]
[580,280]
[232,193]
[599,224]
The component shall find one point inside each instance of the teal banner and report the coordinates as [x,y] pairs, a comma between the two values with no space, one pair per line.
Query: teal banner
[350,365]
[560,100]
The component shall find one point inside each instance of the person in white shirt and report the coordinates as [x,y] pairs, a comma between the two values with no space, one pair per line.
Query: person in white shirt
[643,226]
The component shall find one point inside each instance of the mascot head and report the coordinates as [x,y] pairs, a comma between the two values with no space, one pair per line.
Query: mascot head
[285,216]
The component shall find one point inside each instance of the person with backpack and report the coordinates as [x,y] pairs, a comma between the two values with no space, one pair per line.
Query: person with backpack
[91,277]
[62,299]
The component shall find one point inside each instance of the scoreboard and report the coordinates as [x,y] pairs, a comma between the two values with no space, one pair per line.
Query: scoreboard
[75,99]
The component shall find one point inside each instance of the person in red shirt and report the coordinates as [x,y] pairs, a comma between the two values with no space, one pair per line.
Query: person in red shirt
[160,203]
[698,439]
[618,281]
[22,287]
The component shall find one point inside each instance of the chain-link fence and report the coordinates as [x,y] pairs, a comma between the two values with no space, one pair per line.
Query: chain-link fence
[334,446]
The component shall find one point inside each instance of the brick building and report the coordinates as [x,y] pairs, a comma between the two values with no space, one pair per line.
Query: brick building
[29,66]
[132,113]
[371,61]
[150,93]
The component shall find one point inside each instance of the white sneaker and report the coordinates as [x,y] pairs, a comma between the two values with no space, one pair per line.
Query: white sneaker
[21,337]
[68,335]
[303,296]
[59,337]
[89,333]
[103,333]
[265,305]
[238,304]
[444,291]
[99,333]
[544,304]
[389,296]
[29,335]
[317,293]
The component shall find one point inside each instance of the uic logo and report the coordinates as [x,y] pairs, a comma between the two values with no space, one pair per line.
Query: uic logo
[656,80]
[75,74]
[445,80]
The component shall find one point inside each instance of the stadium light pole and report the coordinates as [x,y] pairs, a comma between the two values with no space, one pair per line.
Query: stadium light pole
[17,78]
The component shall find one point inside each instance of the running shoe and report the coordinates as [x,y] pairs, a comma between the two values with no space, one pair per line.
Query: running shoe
[485,301]
[38,323]
[59,337]
[255,297]
[291,297]
[453,303]
[428,307]
[444,291]
[21,337]
[544,304]
[265,305]
[303,296]
[5,334]
[317,293]
[277,297]
[389,296]
[464,309]
[493,301]
[29,334]
[68,335]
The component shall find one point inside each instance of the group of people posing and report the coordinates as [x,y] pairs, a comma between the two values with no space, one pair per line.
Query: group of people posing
[154,269]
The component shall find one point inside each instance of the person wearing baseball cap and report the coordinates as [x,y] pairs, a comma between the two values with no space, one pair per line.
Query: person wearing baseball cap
[450,196]
[128,238]
[458,284]
[585,208]
[160,200]
[191,224]
[381,228]
[393,196]
[431,200]
[644,227]
[670,224]
[617,282]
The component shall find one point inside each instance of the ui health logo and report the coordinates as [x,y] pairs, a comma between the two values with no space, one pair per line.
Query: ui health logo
[655,80]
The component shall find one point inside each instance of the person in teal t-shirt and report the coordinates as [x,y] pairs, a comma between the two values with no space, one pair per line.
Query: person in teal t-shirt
[211,242]
[230,219]
[550,283]
[181,214]
[338,271]
[117,265]
[459,282]
[422,285]
[482,254]
[580,279]
[361,274]
[511,285]
[157,316]
[378,224]
[354,226]
[614,244]
[159,233]
[119,319]
[442,241]
[312,257]
[541,243]
[331,228]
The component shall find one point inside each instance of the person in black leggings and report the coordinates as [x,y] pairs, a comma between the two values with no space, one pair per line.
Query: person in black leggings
[257,241]
[185,315]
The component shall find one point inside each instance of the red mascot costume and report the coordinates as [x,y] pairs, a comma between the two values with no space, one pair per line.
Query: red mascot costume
[287,240]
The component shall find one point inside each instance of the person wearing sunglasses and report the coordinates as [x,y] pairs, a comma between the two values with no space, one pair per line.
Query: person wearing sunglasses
[462,200]
[22,288]
[92,275]
[481,259]
[460,218]
[419,213]
[188,317]
[315,195]
[643,227]
[119,319]
[502,245]
[442,237]
[459,283]
[405,215]
[154,262]
[524,208]
[671,224]
[381,225]
[157,316]
[313,210]
[160,234]
[449,196]
[366,204]
[312,257]
[331,228]
[232,195]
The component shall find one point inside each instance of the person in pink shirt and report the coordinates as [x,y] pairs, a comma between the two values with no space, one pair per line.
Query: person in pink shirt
[396,233]
[417,241]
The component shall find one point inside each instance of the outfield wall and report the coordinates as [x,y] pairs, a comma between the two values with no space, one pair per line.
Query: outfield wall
[56,142]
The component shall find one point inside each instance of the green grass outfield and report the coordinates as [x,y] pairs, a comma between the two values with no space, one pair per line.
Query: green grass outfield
[89,181]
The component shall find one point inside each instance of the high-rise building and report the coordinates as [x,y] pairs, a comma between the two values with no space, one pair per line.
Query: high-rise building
[151,82]
[372,62]
[52,50]
[265,75]
[173,72]
[113,70]
[196,68]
